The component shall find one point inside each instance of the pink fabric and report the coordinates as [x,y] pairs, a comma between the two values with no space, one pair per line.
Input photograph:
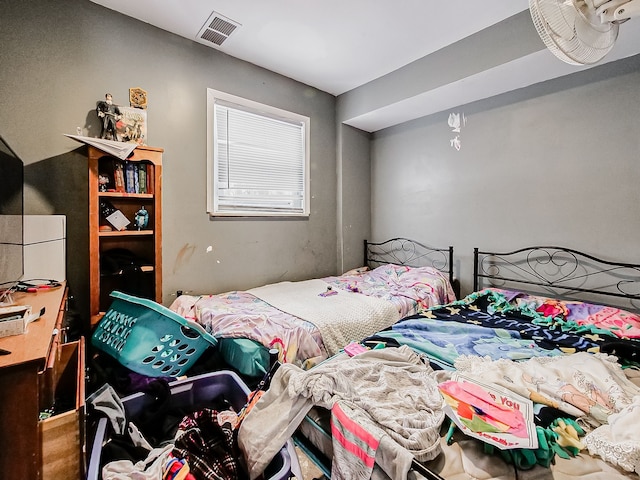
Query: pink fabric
[353,438]
[469,394]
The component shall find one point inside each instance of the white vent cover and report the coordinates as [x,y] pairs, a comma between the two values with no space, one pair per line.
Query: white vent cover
[216,29]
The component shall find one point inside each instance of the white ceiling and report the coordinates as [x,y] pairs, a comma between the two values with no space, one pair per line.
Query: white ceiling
[333,45]
[339,45]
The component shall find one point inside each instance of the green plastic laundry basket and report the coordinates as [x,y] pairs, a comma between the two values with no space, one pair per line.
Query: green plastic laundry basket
[148,338]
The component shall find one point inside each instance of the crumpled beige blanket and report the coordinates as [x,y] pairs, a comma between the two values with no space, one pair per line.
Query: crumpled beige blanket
[341,317]
[392,390]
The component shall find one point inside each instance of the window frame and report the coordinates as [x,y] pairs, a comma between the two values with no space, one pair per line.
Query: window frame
[216,96]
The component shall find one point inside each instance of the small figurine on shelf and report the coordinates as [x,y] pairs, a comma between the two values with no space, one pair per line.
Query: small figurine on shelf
[109,114]
[103,181]
[141,218]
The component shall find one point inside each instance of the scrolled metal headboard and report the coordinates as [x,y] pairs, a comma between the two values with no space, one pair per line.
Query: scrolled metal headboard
[559,272]
[403,251]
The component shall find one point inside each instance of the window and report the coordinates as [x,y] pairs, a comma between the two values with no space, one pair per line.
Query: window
[258,159]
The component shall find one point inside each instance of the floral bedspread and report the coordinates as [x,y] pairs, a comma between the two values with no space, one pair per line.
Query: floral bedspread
[411,289]
[239,314]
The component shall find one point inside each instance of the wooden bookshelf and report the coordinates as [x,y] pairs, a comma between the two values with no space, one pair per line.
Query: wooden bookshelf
[144,244]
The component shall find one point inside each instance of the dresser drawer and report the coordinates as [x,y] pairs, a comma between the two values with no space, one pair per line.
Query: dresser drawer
[63,434]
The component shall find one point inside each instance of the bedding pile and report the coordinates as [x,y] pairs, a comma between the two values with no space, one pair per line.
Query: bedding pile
[592,388]
[411,289]
[393,292]
[341,316]
[517,326]
[385,407]
[576,361]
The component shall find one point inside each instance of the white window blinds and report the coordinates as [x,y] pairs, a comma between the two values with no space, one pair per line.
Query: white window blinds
[259,161]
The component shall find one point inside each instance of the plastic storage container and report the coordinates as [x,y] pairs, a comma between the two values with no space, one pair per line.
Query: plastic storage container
[197,390]
[148,338]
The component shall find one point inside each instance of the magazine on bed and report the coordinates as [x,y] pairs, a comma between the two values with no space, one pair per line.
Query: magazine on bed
[489,413]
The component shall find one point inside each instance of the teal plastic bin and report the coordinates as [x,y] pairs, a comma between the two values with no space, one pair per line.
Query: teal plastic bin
[148,338]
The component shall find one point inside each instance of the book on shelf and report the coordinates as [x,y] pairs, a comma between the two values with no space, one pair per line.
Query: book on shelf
[130,177]
[114,216]
[118,176]
[142,177]
[124,176]
[136,181]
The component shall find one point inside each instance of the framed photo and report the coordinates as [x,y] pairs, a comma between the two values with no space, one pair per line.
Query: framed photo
[132,127]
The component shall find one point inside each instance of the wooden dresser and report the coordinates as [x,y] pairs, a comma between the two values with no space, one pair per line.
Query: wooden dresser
[42,371]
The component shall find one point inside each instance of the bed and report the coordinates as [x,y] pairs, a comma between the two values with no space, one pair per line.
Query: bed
[533,311]
[307,321]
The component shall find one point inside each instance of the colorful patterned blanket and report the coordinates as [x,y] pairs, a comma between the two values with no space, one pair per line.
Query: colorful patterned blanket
[513,325]
[569,315]
[239,314]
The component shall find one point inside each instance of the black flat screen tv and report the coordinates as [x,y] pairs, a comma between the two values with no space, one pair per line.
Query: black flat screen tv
[11,216]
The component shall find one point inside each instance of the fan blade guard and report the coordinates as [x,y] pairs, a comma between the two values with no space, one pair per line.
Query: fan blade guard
[572,30]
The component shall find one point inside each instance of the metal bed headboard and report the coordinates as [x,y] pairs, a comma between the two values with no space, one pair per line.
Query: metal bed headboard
[559,272]
[403,251]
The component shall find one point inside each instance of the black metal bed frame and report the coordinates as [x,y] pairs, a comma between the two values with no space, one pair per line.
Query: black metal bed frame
[556,271]
[403,251]
[559,272]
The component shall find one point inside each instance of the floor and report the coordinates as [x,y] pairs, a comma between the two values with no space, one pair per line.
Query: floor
[307,468]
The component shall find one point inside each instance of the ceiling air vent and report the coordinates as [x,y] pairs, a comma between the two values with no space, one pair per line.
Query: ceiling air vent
[217,29]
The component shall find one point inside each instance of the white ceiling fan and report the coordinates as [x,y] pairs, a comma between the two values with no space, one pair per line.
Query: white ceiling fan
[581,32]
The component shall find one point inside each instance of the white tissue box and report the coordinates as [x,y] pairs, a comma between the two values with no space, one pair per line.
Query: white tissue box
[13,320]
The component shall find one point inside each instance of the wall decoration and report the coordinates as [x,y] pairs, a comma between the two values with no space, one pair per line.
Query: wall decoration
[132,125]
[138,97]
[456,122]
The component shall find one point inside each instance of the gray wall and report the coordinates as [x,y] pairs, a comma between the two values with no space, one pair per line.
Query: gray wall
[354,196]
[556,163]
[552,163]
[59,58]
